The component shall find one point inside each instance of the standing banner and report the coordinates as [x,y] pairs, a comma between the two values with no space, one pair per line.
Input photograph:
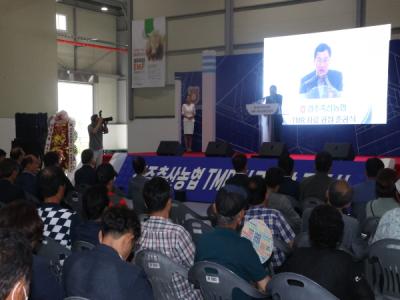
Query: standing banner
[148,56]
[202,177]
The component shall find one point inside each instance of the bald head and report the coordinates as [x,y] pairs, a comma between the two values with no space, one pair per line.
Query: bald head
[340,194]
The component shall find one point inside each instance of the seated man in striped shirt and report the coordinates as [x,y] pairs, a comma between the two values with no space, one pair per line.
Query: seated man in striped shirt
[160,234]
[273,218]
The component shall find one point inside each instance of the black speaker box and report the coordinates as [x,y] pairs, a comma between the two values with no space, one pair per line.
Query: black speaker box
[340,151]
[219,149]
[272,149]
[169,148]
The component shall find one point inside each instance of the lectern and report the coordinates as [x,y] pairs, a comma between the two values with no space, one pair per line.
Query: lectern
[265,113]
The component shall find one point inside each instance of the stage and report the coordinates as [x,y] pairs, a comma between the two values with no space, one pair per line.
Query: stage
[202,176]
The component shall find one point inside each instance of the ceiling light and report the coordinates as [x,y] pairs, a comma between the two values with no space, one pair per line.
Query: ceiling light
[104,8]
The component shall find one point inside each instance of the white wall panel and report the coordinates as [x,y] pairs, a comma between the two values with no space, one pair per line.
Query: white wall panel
[155,8]
[93,25]
[96,60]
[68,12]
[144,135]
[117,137]
[7,133]
[253,26]
[65,55]
[196,32]
[182,63]
[247,51]
[98,25]
[383,12]
[105,96]
[154,102]
[28,57]
[241,3]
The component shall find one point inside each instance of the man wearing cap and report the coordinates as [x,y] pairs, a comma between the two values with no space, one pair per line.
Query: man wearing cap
[225,246]
[96,129]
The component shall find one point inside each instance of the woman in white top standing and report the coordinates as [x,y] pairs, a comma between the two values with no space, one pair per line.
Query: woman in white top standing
[188,114]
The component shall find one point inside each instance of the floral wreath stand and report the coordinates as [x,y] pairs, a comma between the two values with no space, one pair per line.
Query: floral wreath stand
[61,138]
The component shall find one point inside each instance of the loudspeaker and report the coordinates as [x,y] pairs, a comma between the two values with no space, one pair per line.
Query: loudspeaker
[340,151]
[169,148]
[219,149]
[273,149]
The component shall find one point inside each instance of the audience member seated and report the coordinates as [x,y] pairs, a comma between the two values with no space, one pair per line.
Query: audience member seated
[389,226]
[289,186]
[103,273]
[339,196]
[239,162]
[52,159]
[9,191]
[15,265]
[273,218]
[59,222]
[105,175]
[136,184]
[211,210]
[365,191]
[95,200]
[3,155]
[27,179]
[226,247]
[273,180]
[386,193]
[17,154]
[333,269]
[86,175]
[160,234]
[23,217]
[315,186]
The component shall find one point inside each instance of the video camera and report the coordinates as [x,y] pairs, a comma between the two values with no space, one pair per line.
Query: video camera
[105,120]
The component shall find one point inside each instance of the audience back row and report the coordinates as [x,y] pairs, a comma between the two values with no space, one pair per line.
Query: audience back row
[103,273]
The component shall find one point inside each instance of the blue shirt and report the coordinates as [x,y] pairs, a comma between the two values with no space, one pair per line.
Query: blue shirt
[227,248]
[87,231]
[364,192]
[101,274]
[44,284]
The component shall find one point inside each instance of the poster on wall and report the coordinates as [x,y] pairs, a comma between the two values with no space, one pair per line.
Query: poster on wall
[148,57]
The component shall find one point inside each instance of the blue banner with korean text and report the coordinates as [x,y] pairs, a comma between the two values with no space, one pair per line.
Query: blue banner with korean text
[202,177]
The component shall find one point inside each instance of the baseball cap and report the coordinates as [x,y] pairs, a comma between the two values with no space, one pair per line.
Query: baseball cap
[229,201]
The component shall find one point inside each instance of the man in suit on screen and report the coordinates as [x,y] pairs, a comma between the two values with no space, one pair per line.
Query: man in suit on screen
[322,83]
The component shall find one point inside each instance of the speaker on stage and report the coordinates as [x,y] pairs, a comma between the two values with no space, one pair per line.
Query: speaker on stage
[169,148]
[223,149]
[272,149]
[340,151]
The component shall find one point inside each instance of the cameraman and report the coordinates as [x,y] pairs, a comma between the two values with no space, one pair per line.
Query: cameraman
[96,130]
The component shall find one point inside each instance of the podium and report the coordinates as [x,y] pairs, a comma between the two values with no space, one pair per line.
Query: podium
[266,113]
